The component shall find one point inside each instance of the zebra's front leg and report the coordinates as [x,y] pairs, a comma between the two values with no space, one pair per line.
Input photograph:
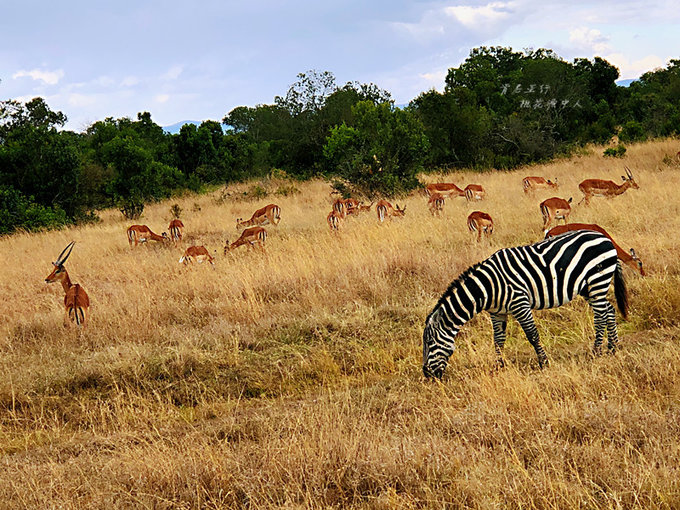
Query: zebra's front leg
[522,312]
[499,322]
[600,312]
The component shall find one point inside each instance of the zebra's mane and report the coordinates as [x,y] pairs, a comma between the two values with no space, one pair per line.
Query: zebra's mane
[464,277]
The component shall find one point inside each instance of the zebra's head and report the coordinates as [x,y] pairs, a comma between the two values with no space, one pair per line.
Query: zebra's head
[438,345]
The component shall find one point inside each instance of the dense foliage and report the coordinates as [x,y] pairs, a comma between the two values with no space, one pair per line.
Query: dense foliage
[499,109]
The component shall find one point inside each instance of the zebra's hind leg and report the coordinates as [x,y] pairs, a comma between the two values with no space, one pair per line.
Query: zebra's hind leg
[612,333]
[499,322]
[600,312]
[522,312]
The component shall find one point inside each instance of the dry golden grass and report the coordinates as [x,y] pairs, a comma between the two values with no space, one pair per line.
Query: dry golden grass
[293,378]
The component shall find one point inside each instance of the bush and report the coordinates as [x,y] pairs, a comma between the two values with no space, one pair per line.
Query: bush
[632,131]
[615,152]
[20,212]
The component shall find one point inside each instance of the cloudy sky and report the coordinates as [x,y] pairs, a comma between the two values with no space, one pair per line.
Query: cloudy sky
[196,60]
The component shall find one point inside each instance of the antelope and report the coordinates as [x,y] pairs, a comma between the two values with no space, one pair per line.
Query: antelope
[76,301]
[251,236]
[444,188]
[531,184]
[385,209]
[175,228]
[601,188]
[198,253]
[334,219]
[436,203]
[631,260]
[351,206]
[268,214]
[339,207]
[555,209]
[479,222]
[364,208]
[474,192]
[142,233]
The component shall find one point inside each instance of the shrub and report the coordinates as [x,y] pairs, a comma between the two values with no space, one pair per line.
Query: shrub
[615,152]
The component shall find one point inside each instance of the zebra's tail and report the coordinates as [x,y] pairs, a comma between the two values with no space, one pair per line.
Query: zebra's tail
[620,291]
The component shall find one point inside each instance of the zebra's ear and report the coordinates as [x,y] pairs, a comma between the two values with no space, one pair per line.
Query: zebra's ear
[435,316]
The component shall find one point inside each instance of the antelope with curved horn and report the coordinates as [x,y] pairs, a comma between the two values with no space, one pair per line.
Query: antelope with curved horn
[385,210]
[630,259]
[198,253]
[531,184]
[251,236]
[474,192]
[479,222]
[176,228]
[444,188]
[436,204]
[351,206]
[142,233]
[555,208]
[602,188]
[268,214]
[76,301]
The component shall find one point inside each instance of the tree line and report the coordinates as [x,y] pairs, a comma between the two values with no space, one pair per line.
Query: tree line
[500,108]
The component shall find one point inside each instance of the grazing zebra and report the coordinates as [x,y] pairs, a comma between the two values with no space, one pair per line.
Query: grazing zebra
[514,281]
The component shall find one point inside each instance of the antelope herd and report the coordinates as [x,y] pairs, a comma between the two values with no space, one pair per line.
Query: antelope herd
[76,300]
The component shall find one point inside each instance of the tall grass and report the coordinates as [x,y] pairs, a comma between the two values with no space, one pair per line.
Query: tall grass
[292,378]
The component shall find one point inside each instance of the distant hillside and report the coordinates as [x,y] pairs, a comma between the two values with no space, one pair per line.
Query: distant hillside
[174,128]
[626,83]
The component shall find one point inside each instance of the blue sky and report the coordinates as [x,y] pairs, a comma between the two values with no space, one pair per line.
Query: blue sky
[198,60]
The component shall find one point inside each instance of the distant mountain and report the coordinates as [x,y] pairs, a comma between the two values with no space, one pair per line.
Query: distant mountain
[626,83]
[174,128]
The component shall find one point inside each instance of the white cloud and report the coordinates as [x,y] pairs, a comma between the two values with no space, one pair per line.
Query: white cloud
[162,98]
[434,79]
[589,39]
[473,17]
[635,68]
[173,73]
[81,100]
[129,81]
[47,77]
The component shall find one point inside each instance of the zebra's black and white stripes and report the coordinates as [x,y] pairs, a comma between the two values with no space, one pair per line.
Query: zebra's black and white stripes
[515,281]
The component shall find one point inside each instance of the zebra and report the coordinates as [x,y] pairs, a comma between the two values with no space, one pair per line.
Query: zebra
[515,281]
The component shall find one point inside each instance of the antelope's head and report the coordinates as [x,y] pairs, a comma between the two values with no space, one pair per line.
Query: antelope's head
[59,272]
[226,245]
[636,262]
[398,211]
[629,178]
[553,184]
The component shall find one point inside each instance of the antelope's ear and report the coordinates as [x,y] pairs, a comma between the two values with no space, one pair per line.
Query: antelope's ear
[570,199]
[632,253]
[623,177]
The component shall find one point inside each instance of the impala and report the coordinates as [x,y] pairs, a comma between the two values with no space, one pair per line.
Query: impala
[334,219]
[364,208]
[142,233]
[531,184]
[175,228]
[436,203]
[251,236]
[385,209]
[198,253]
[474,192]
[445,188]
[76,301]
[339,207]
[268,214]
[351,206]
[479,222]
[601,188]
[555,208]
[630,259]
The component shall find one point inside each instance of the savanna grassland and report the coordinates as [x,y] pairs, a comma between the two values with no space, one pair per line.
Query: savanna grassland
[293,378]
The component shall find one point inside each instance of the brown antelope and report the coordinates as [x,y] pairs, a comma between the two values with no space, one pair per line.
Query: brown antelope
[198,253]
[76,301]
[268,214]
[142,233]
[340,208]
[364,208]
[351,206]
[334,220]
[479,222]
[601,188]
[251,236]
[474,192]
[385,209]
[176,228]
[531,184]
[631,259]
[436,203]
[444,188]
[555,208]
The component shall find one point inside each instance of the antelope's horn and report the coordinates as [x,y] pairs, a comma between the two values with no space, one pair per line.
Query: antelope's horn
[62,258]
[630,174]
